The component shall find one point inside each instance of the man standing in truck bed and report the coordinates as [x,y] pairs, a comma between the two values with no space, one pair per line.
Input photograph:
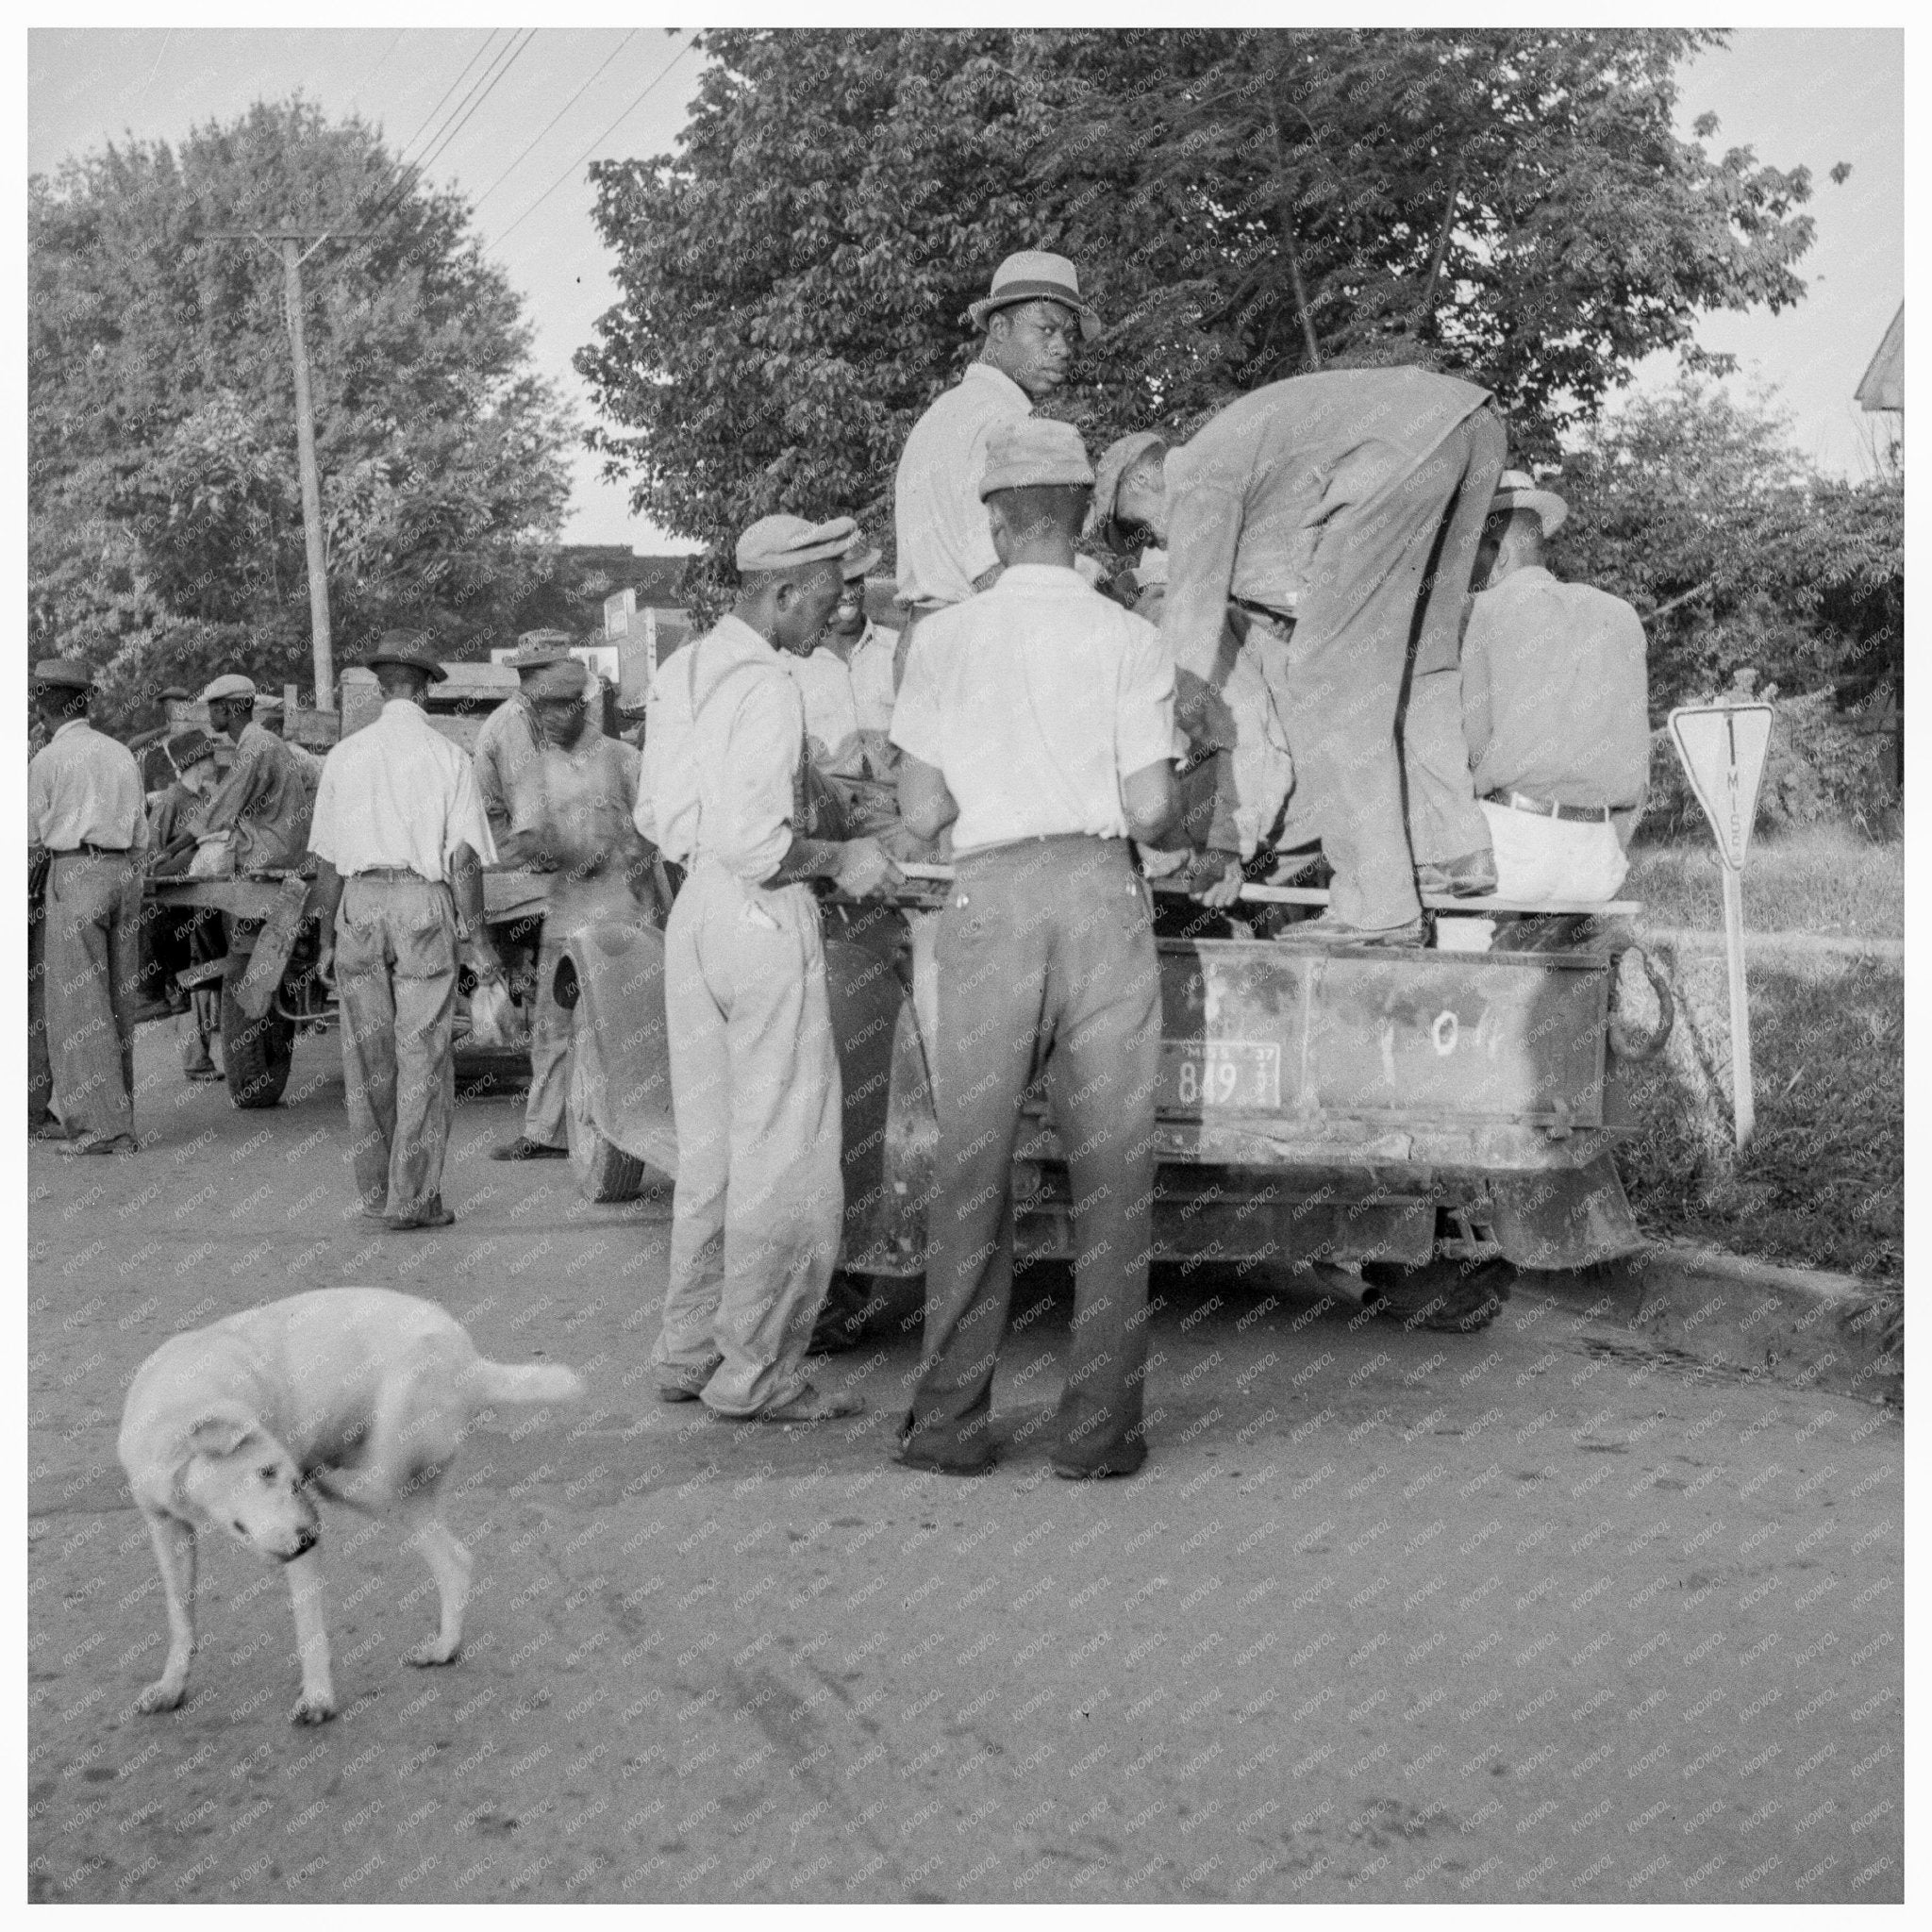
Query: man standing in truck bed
[265,801]
[1343,510]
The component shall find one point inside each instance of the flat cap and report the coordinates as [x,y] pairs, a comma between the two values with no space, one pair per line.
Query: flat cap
[189,747]
[555,678]
[783,542]
[407,647]
[538,647]
[175,690]
[1031,451]
[1116,460]
[1035,275]
[230,684]
[68,673]
[859,558]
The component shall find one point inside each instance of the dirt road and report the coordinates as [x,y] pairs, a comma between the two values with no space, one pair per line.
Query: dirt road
[1533,1614]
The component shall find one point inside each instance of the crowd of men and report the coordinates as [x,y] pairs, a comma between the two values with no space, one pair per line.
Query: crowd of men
[1338,643]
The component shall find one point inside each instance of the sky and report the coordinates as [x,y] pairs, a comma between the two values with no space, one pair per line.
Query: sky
[1810,96]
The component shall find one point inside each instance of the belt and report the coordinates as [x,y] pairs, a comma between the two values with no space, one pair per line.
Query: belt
[84,849]
[1549,808]
[393,871]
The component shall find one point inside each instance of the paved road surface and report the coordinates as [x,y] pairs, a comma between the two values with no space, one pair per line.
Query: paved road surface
[1535,1614]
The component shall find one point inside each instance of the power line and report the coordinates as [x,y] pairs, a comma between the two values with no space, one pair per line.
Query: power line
[356,93]
[413,172]
[598,143]
[400,165]
[554,120]
[503,67]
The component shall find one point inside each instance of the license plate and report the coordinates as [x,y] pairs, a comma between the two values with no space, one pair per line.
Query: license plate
[1198,1074]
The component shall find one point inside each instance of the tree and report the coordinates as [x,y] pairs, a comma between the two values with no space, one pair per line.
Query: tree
[164,514]
[1243,206]
[1699,510]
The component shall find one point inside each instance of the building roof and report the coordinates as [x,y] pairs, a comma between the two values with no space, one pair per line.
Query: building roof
[1883,386]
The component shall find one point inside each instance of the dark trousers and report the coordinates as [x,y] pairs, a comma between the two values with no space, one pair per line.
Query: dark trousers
[1383,610]
[39,1067]
[1045,956]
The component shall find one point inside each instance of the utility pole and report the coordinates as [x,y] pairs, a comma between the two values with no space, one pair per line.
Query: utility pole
[285,242]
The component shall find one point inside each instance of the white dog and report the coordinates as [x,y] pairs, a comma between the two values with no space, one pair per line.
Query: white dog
[359,1391]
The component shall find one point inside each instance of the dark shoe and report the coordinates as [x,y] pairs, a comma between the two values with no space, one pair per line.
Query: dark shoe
[810,1405]
[150,1010]
[431,1214]
[524,1148]
[1472,876]
[911,1459]
[1328,931]
[1474,1303]
[48,1130]
[678,1392]
[210,1072]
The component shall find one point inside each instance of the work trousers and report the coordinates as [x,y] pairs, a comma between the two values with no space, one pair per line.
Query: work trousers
[397,980]
[39,1066]
[1045,956]
[1552,859]
[1383,610]
[92,966]
[760,1204]
[550,1031]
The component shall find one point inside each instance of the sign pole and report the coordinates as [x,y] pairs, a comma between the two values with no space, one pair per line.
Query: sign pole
[1723,750]
[1744,1100]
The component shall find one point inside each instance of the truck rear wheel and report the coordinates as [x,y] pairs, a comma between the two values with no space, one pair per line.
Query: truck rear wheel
[605,1171]
[255,1053]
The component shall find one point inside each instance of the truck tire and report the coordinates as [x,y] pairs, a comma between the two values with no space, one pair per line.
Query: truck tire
[255,1053]
[605,1171]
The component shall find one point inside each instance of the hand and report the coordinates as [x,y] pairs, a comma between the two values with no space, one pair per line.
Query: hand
[1217,889]
[326,961]
[865,869]
[484,962]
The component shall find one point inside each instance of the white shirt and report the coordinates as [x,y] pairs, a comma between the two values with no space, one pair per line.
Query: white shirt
[842,695]
[1033,701]
[943,541]
[723,738]
[83,788]
[398,792]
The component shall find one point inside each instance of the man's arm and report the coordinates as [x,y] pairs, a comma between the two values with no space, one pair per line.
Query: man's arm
[466,880]
[1152,801]
[234,795]
[926,808]
[326,895]
[1202,540]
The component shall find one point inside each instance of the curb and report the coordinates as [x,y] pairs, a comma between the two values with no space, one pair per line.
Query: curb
[1747,1319]
[1695,938]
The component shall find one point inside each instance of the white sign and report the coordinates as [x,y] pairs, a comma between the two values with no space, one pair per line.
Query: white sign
[617,612]
[1723,748]
[601,658]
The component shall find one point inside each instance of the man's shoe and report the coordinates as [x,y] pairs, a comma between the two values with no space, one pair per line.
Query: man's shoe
[911,1459]
[1328,931]
[1077,1473]
[524,1148]
[810,1406]
[678,1392]
[48,1130]
[102,1144]
[431,1214]
[1472,876]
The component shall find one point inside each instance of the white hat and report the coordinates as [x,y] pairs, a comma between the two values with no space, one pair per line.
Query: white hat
[782,543]
[1034,276]
[1516,489]
[232,685]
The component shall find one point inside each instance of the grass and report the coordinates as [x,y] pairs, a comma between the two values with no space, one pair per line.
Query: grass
[1822,1184]
[1818,879]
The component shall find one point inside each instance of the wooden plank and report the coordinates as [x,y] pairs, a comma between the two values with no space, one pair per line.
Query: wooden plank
[277,940]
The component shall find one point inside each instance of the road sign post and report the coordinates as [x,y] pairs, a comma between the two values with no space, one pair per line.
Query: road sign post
[1723,748]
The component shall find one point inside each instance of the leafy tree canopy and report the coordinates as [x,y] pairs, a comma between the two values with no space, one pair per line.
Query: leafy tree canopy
[165,520]
[1243,206]
[1699,510]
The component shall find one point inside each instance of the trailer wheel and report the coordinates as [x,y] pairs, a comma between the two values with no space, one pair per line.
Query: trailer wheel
[605,1171]
[255,1053]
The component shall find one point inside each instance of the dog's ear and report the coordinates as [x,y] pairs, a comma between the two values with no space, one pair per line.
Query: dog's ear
[221,1432]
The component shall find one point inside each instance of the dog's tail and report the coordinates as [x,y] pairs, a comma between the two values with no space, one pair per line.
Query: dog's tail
[524,1382]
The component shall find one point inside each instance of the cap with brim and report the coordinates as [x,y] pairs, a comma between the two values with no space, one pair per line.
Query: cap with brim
[1035,275]
[63,673]
[172,691]
[402,647]
[1116,461]
[1516,489]
[230,684]
[189,748]
[1033,452]
[561,677]
[857,561]
[528,657]
[786,542]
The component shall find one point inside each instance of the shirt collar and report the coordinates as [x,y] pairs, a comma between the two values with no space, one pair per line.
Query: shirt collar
[402,704]
[1041,576]
[745,637]
[71,725]
[1526,575]
[985,372]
